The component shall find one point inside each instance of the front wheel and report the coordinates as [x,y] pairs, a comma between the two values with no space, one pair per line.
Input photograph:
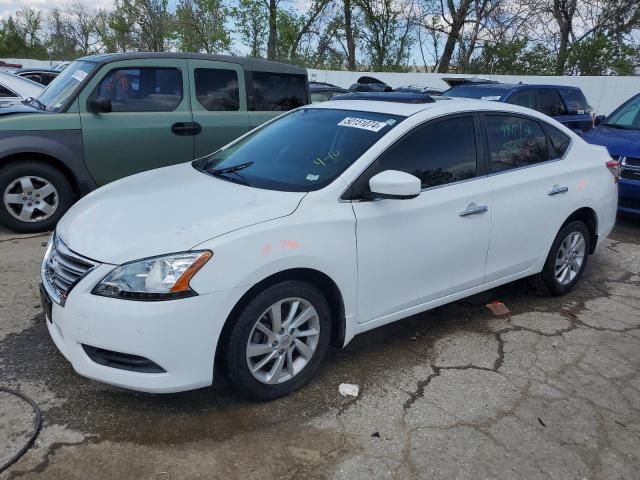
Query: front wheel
[34,196]
[278,341]
[567,259]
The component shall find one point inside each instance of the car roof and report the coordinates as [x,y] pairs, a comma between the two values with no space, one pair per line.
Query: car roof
[441,106]
[37,70]
[250,64]
[22,86]
[509,86]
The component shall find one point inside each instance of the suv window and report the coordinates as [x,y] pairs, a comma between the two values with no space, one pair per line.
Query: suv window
[278,91]
[525,98]
[437,153]
[551,103]
[5,92]
[558,142]
[575,101]
[142,89]
[515,142]
[217,89]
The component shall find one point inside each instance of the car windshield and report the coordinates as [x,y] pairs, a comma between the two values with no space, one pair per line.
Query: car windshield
[300,152]
[63,87]
[627,116]
[470,91]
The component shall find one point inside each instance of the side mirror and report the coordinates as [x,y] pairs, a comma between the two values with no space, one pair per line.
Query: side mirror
[99,105]
[598,120]
[393,184]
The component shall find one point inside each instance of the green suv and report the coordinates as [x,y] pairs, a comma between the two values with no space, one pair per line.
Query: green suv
[108,116]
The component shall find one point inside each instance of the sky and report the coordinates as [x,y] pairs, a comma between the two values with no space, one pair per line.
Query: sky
[8,7]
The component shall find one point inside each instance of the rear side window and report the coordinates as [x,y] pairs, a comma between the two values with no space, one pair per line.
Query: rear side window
[550,102]
[515,142]
[437,153]
[217,89]
[5,92]
[278,91]
[575,101]
[558,142]
[142,89]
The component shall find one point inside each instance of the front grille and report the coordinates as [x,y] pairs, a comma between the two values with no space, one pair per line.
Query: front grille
[631,162]
[628,174]
[62,269]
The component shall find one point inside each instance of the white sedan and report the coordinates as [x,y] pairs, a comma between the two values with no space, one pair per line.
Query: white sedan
[324,223]
[14,89]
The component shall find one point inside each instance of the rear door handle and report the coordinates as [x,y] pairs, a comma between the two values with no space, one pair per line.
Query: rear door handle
[473,209]
[558,189]
[186,128]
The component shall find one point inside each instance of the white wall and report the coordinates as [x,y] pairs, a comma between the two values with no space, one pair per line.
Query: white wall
[28,63]
[604,94]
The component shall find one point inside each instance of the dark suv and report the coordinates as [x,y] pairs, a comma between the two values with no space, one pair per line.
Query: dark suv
[567,105]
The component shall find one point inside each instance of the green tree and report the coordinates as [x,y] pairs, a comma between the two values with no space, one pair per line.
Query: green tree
[602,56]
[155,24]
[117,28]
[200,26]
[250,18]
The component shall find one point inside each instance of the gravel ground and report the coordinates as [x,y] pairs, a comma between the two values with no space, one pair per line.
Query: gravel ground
[549,391]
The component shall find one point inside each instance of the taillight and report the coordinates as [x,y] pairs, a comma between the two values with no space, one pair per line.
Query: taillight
[614,168]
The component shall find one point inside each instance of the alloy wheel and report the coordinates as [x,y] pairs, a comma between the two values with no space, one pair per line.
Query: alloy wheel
[30,199]
[283,340]
[570,258]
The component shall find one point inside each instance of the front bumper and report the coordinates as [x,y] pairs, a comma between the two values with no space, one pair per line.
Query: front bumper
[629,191]
[178,335]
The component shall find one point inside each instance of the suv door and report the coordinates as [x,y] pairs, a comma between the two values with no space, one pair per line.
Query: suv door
[219,103]
[530,193]
[148,126]
[411,252]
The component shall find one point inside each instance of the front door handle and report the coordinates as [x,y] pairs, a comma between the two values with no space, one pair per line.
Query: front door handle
[186,128]
[558,189]
[473,209]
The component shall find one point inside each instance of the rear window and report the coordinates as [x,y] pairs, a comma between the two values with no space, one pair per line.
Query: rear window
[483,93]
[5,92]
[217,89]
[278,91]
[559,142]
[575,101]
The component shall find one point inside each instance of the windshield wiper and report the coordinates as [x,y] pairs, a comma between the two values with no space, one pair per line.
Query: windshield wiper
[30,100]
[232,169]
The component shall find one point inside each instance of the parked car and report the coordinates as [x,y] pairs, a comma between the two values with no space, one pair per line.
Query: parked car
[61,66]
[4,64]
[109,116]
[43,76]
[620,133]
[567,105]
[14,89]
[419,89]
[329,221]
[323,92]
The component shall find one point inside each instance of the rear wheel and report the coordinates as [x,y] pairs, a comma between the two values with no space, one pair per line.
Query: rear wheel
[278,340]
[567,259]
[34,196]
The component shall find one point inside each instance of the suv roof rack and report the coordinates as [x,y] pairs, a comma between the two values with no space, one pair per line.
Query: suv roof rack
[398,97]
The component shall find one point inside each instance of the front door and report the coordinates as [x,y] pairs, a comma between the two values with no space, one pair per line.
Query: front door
[148,126]
[219,103]
[411,252]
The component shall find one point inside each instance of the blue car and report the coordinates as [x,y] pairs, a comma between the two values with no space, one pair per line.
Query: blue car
[567,105]
[620,133]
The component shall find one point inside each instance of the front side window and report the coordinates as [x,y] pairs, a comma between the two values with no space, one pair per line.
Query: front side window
[437,153]
[217,90]
[525,98]
[278,91]
[515,142]
[300,152]
[627,116]
[551,103]
[61,91]
[142,89]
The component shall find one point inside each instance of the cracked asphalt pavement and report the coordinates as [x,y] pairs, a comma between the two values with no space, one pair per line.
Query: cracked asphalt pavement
[549,391]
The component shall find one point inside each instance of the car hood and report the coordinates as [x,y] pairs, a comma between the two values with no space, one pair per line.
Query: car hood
[12,108]
[167,210]
[619,142]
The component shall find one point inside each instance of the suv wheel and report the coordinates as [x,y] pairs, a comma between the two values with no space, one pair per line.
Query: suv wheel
[278,341]
[34,196]
[567,259]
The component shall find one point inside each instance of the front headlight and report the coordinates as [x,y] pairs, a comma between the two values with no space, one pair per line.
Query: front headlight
[157,278]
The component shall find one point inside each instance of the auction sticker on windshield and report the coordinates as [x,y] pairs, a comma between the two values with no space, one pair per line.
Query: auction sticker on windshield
[363,123]
[80,75]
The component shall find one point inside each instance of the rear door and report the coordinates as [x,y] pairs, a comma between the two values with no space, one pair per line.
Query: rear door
[219,103]
[530,193]
[150,104]
[272,93]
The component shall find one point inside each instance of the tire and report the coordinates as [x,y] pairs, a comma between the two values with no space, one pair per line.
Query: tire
[297,370]
[24,216]
[561,279]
